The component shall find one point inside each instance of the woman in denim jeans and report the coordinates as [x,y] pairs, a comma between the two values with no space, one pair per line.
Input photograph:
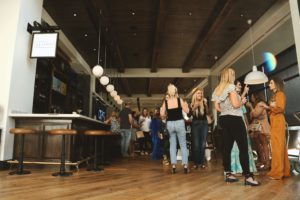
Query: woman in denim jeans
[173,107]
[199,110]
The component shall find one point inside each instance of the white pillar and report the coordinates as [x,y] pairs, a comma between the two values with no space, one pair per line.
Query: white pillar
[295,7]
[17,70]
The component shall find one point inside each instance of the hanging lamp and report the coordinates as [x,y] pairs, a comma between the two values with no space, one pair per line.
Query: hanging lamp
[255,76]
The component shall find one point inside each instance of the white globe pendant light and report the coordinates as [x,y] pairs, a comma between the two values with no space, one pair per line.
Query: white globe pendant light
[110,88]
[116,98]
[104,80]
[113,93]
[97,70]
[120,101]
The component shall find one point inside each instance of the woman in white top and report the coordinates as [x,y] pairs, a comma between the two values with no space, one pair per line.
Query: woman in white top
[144,122]
[229,103]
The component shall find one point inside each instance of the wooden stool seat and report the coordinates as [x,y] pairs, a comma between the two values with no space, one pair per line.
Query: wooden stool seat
[21,132]
[98,133]
[63,133]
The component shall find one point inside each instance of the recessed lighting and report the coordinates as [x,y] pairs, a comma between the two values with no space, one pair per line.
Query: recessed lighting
[94,49]
[74,14]
[195,80]
[241,15]
[190,13]
[133,13]
[216,57]
[85,35]
[134,34]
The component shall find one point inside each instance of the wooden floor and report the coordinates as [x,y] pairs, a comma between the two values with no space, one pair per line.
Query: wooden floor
[141,178]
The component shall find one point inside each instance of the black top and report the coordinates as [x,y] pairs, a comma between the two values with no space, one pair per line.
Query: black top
[124,119]
[199,117]
[174,114]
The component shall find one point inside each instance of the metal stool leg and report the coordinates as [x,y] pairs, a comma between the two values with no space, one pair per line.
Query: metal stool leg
[20,170]
[62,171]
[96,168]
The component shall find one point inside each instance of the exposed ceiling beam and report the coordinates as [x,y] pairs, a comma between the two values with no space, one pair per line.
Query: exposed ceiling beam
[93,11]
[160,23]
[217,16]
[148,87]
[125,86]
[175,81]
[162,73]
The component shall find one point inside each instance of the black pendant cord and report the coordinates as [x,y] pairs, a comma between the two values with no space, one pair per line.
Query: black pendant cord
[99,39]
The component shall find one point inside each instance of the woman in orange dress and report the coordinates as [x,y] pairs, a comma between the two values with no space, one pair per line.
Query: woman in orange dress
[280,166]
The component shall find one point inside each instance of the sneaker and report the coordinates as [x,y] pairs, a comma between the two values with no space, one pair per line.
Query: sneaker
[142,153]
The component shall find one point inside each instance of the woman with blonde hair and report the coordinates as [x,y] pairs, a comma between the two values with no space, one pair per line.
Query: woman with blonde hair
[199,128]
[280,166]
[172,107]
[229,103]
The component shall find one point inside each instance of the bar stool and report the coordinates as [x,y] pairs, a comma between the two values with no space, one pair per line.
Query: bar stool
[63,133]
[22,132]
[96,133]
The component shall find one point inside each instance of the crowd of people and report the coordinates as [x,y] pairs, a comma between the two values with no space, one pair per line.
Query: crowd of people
[243,125]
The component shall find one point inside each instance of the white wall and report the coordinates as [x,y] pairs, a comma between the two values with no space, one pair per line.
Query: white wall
[17,70]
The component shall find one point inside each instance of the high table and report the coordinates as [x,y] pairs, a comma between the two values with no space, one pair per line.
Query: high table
[45,149]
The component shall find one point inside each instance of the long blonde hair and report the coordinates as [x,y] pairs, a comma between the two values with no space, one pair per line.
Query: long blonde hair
[227,77]
[172,91]
[194,100]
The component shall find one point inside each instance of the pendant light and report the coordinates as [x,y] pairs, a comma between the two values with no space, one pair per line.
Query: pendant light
[113,93]
[98,69]
[110,87]
[104,80]
[254,77]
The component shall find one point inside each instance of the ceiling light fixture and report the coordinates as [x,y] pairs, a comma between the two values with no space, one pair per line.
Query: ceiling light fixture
[74,14]
[254,77]
[104,80]
[113,93]
[98,69]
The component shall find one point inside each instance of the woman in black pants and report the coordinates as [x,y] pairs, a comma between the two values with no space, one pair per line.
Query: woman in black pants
[229,103]
[199,110]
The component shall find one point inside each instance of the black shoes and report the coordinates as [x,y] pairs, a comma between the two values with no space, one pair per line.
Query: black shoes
[173,171]
[229,178]
[186,169]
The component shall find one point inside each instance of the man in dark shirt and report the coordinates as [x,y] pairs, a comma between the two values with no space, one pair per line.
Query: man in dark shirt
[125,128]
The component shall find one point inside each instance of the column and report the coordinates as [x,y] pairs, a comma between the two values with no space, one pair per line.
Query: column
[17,70]
[295,9]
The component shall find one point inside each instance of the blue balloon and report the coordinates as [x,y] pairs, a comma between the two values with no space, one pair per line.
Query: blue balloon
[270,62]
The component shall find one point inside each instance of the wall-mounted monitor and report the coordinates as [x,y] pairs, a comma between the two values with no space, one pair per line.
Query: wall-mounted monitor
[59,86]
[44,45]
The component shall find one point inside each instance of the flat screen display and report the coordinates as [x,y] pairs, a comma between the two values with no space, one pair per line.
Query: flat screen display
[101,115]
[44,45]
[59,86]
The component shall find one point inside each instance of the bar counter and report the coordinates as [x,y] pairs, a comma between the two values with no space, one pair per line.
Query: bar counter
[42,147]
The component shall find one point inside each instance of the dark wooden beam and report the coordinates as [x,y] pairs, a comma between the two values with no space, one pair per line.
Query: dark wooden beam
[160,23]
[175,81]
[216,18]
[148,87]
[93,9]
[125,85]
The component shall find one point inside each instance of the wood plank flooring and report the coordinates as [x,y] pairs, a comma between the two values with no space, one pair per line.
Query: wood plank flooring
[142,178]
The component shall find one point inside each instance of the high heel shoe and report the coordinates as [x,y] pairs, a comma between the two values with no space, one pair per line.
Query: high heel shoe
[186,169]
[249,180]
[229,178]
[173,169]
